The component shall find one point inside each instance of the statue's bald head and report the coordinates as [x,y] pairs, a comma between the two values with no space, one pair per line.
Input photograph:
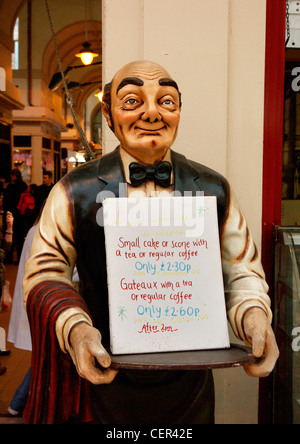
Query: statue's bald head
[135,68]
[142,107]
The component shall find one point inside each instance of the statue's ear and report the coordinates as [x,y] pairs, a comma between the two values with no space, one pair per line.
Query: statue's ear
[106,113]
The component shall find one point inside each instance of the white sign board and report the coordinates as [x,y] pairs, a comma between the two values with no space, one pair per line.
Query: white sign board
[164,275]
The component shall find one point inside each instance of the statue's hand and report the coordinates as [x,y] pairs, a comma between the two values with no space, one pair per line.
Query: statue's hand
[87,349]
[261,338]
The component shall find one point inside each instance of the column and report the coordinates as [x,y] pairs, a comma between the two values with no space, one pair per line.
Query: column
[36,146]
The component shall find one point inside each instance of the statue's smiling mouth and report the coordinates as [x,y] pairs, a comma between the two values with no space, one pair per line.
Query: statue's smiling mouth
[151,131]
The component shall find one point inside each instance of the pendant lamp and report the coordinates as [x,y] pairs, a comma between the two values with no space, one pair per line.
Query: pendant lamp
[87,54]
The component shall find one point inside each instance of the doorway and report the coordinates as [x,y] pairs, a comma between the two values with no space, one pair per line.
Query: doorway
[281,210]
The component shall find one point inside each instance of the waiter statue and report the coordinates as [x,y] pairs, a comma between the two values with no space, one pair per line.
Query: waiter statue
[72,380]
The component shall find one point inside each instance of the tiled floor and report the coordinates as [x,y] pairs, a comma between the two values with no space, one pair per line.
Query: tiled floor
[17,363]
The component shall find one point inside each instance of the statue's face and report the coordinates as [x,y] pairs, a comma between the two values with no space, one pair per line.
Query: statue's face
[145,109]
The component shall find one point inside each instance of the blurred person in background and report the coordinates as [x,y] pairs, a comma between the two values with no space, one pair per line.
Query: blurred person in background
[43,190]
[11,198]
[5,247]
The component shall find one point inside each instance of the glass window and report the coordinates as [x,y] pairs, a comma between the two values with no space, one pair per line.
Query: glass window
[22,141]
[287,326]
[47,161]
[15,56]
[46,143]
[22,159]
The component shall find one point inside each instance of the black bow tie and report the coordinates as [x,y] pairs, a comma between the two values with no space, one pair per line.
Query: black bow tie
[160,173]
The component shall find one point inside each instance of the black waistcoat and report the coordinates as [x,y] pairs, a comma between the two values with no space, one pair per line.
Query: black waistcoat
[86,187]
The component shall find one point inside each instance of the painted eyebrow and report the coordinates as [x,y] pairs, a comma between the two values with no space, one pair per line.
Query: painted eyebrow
[168,82]
[130,81]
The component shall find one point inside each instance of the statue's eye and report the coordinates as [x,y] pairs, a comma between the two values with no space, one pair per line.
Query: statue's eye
[131,102]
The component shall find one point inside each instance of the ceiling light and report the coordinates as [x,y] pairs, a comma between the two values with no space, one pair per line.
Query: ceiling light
[100,96]
[87,54]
